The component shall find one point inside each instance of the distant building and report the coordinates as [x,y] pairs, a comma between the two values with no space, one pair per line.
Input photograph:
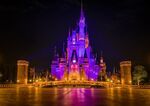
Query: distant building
[22,71]
[103,74]
[125,71]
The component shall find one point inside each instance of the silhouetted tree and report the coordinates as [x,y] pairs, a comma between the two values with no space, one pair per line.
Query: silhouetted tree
[139,73]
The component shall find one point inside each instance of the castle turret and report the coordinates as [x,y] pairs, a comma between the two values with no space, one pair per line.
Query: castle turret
[55,64]
[81,25]
[102,68]
[73,37]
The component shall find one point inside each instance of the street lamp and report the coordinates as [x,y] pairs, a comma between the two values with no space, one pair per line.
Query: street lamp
[130,82]
[30,80]
[108,79]
[18,81]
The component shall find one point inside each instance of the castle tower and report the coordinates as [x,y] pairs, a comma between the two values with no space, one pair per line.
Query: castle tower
[102,68]
[78,57]
[22,71]
[62,65]
[55,65]
[81,24]
[125,69]
[81,33]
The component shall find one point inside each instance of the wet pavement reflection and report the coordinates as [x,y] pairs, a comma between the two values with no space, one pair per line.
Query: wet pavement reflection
[74,97]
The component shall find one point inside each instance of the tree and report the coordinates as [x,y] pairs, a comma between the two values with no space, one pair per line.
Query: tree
[139,73]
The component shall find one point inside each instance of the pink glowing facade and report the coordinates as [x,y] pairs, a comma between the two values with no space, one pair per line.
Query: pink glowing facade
[77,61]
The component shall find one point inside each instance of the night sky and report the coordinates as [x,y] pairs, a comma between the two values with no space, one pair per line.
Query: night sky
[30,29]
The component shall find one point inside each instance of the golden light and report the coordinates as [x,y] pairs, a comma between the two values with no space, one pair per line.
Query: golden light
[108,79]
[18,80]
[130,81]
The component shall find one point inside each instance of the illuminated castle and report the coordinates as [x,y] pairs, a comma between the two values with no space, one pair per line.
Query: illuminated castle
[77,62]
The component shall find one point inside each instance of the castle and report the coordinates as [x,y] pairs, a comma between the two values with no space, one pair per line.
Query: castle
[77,61]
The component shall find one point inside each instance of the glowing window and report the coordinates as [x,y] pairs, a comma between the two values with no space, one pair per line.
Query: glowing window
[74,61]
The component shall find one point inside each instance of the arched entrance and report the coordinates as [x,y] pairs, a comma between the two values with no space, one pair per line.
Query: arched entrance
[74,73]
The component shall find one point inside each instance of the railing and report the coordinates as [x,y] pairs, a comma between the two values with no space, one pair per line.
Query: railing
[141,86]
[7,85]
[75,83]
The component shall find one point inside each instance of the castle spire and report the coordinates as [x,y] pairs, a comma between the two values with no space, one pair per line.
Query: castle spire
[81,12]
[56,55]
[101,59]
[81,24]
